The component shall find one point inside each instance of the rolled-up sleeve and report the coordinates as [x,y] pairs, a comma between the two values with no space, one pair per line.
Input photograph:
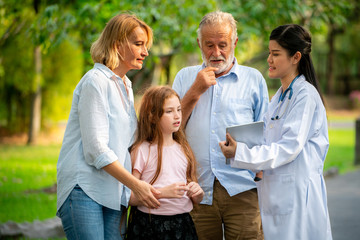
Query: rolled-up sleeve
[94,126]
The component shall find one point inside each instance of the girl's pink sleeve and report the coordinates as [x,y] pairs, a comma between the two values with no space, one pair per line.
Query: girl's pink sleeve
[140,159]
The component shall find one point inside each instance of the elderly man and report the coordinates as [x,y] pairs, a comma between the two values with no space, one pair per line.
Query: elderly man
[215,95]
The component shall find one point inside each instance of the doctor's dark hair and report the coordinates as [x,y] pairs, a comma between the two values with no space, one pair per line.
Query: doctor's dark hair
[295,38]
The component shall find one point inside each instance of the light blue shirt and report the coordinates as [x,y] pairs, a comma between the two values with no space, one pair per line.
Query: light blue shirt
[239,97]
[292,193]
[99,131]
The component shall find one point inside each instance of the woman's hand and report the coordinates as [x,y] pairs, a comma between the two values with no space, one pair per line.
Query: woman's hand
[228,147]
[142,192]
[175,190]
[145,195]
[195,192]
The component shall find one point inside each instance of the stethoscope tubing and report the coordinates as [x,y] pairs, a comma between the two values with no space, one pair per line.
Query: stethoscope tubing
[282,99]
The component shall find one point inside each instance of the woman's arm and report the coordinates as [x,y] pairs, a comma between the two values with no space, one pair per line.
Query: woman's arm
[144,192]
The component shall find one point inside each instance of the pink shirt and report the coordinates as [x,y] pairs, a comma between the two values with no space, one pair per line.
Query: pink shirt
[173,169]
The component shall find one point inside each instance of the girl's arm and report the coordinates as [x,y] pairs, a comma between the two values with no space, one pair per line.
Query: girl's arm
[175,190]
[195,192]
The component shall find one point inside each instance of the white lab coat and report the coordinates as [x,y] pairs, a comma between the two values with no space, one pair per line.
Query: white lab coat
[292,193]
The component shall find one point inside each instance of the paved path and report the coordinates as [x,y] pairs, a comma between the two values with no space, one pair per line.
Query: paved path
[344,205]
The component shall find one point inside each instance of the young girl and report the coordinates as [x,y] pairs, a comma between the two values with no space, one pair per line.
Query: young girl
[162,157]
[292,193]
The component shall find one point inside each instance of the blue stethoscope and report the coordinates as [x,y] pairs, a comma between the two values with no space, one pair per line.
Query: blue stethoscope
[282,98]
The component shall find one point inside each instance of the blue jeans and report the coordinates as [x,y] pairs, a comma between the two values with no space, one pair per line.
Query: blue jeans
[83,218]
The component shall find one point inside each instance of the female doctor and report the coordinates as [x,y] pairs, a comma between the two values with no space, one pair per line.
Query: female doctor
[292,193]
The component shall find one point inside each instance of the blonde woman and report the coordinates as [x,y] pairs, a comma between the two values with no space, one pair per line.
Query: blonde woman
[94,163]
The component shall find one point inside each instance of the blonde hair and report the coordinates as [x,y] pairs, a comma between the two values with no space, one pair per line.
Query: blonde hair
[116,34]
[151,110]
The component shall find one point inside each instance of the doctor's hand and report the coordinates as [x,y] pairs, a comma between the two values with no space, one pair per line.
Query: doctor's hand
[228,147]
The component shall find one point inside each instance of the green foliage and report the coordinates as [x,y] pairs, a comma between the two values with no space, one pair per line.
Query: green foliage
[63,69]
[23,26]
[17,63]
[16,60]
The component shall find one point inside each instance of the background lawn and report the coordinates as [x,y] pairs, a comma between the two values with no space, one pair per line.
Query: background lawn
[341,152]
[24,172]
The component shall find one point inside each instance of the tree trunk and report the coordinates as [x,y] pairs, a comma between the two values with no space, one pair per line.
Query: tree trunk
[35,113]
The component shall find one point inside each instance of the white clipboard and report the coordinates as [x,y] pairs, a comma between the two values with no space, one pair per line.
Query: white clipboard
[251,134]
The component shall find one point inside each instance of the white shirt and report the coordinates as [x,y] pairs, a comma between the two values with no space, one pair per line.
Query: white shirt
[99,131]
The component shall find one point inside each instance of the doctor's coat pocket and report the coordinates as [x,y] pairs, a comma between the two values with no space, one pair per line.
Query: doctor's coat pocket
[277,194]
[274,130]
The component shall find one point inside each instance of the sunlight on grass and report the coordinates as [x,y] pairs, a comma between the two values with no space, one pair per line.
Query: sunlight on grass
[341,151]
[25,168]
[27,206]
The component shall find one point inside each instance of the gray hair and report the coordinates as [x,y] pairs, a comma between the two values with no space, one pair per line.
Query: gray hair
[218,17]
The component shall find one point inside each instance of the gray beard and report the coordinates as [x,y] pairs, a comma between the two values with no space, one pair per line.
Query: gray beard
[224,66]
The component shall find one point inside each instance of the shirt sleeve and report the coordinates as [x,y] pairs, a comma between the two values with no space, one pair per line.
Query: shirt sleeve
[294,133]
[141,158]
[94,125]
[177,84]
[263,101]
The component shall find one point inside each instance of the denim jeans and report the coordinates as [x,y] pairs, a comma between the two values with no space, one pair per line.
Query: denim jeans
[83,218]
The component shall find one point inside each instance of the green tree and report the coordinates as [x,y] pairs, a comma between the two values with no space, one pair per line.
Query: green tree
[32,33]
[29,30]
[327,17]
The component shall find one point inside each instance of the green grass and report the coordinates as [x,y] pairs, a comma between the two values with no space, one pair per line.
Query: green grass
[24,171]
[24,168]
[341,152]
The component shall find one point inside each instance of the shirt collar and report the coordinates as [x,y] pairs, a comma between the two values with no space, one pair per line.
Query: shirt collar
[110,74]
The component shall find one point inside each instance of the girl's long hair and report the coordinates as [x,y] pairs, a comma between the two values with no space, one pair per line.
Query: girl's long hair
[151,110]
[295,38]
